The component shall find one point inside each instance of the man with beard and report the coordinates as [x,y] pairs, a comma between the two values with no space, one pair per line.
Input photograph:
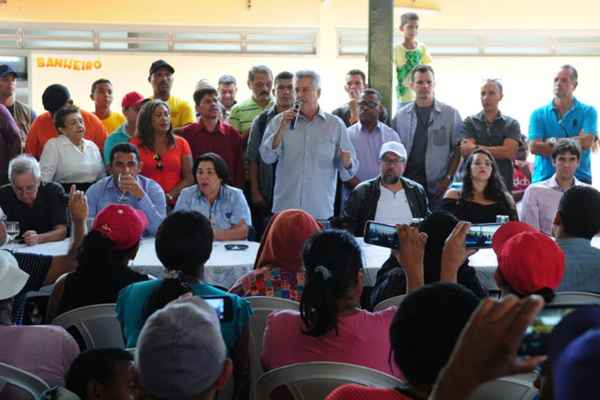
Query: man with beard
[260,82]
[389,198]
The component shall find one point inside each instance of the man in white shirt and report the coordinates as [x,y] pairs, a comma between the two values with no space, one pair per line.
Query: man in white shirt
[540,201]
[389,198]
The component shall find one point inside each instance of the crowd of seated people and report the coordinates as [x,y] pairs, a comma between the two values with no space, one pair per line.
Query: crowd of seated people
[155,171]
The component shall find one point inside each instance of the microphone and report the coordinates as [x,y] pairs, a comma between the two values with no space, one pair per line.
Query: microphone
[297,105]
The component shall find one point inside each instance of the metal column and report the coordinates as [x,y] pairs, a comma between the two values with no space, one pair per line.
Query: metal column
[381,35]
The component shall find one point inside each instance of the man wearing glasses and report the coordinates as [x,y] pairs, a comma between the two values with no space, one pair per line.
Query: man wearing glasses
[493,131]
[367,136]
[389,198]
[38,206]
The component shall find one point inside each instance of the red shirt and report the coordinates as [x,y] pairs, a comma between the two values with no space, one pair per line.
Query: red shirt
[224,141]
[43,130]
[172,163]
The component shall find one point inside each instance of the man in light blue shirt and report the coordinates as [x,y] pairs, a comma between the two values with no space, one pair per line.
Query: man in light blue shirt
[576,222]
[564,117]
[126,186]
[309,154]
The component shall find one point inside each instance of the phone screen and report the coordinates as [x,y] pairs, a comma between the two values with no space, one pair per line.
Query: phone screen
[535,340]
[480,235]
[222,305]
[381,235]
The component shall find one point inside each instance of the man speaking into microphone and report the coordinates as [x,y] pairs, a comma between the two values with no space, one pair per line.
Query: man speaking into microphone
[309,154]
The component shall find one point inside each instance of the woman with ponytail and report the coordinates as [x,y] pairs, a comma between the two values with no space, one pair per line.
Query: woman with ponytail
[183,245]
[330,325]
[102,260]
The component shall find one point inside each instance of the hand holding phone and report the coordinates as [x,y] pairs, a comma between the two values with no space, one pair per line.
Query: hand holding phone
[480,235]
[381,235]
[223,305]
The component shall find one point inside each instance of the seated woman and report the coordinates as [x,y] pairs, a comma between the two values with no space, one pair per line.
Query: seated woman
[102,261]
[278,268]
[521,171]
[69,158]
[225,206]
[43,350]
[184,242]
[438,227]
[330,325]
[484,195]
[529,262]
[165,157]
[416,325]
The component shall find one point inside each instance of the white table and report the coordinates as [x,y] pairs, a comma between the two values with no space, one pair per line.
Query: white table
[484,262]
[225,267]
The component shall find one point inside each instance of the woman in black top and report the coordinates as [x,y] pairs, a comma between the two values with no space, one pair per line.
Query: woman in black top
[103,259]
[483,195]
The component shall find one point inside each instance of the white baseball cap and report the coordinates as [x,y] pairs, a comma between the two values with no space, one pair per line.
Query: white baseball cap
[393,147]
[12,278]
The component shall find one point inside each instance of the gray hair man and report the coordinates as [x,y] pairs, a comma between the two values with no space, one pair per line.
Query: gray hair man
[310,147]
[38,206]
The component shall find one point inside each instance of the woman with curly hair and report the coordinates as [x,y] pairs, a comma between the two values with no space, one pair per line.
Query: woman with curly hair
[483,195]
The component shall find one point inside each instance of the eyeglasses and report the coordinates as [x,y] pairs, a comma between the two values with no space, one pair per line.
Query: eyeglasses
[370,104]
[394,161]
[25,189]
[159,163]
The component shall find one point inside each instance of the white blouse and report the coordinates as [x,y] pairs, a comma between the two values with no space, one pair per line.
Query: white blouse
[64,162]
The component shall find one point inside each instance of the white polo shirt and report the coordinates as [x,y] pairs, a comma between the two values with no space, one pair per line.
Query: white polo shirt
[393,208]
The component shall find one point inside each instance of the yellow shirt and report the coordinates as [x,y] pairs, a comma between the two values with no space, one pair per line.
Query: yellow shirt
[405,61]
[113,121]
[181,112]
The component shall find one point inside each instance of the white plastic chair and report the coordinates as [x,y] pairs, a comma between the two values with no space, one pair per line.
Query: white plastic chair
[22,380]
[505,388]
[315,380]
[262,306]
[576,298]
[389,302]
[97,324]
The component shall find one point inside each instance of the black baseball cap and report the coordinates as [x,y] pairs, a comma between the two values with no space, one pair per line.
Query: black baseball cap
[158,64]
[6,69]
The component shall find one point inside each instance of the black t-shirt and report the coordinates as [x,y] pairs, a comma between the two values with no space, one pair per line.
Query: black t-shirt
[84,290]
[49,208]
[415,165]
[37,266]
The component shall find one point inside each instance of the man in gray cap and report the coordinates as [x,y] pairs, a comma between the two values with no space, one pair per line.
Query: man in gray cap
[181,354]
[389,198]
[21,112]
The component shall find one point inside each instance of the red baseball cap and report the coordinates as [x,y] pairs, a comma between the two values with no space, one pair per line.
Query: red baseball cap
[122,224]
[527,260]
[131,99]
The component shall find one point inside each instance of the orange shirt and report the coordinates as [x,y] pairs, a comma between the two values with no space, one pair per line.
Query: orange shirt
[171,172]
[43,130]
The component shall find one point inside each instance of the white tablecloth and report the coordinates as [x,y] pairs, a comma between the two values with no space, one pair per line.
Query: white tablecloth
[484,262]
[226,266]
[223,268]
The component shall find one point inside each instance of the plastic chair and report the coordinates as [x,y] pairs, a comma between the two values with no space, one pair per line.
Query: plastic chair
[97,325]
[262,306]
[576,298]
[22,380]
[389,302]
[315,380]
[504,388]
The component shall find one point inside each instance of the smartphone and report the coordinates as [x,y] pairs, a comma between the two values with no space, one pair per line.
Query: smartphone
[480,235]
[223,305]
[381,235]
[535,340]
[236,246]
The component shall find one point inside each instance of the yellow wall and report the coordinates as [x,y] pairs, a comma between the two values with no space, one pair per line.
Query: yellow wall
[455,14]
